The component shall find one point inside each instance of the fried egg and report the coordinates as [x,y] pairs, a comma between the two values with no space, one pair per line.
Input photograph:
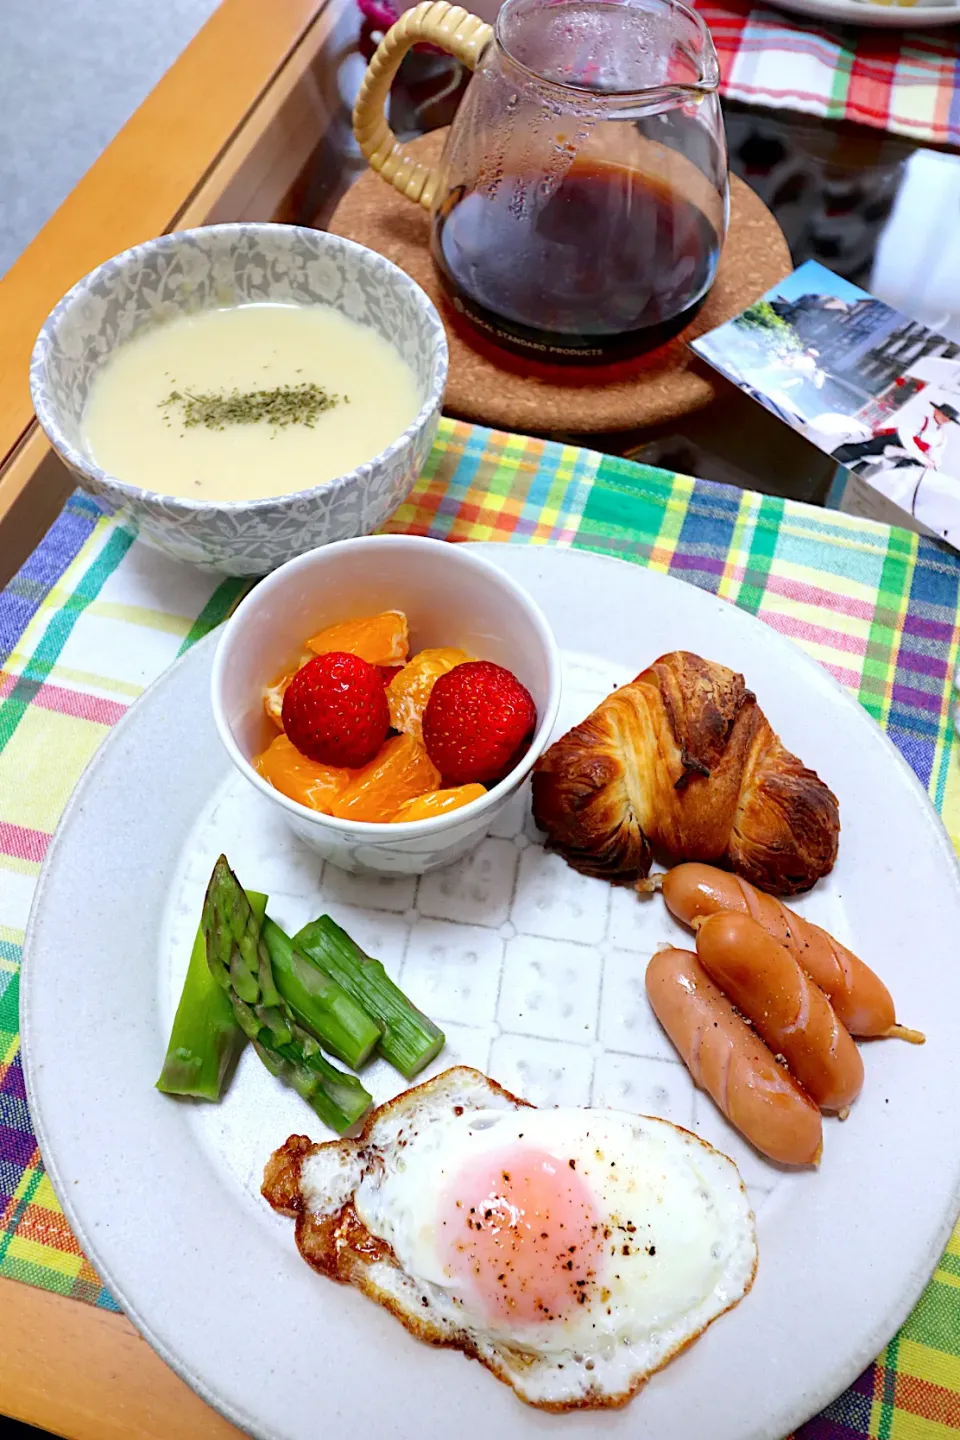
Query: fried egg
[572,1252]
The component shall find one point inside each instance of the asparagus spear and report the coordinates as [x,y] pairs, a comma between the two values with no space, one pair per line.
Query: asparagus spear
[206,1040]
[240,963]
[410,1040]
[319,1004]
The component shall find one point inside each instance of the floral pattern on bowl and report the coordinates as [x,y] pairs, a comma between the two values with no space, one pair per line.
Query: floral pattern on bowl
[221,265]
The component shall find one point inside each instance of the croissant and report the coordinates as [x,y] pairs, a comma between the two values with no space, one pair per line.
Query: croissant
[682,762]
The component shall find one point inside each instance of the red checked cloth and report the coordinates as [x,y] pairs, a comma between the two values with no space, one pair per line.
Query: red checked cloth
[907,81]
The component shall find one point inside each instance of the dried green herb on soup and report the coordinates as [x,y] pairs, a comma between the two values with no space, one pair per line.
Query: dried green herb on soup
[282,406]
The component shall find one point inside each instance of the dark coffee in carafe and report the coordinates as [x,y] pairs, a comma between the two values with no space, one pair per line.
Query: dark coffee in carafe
[580,203]
[605,263]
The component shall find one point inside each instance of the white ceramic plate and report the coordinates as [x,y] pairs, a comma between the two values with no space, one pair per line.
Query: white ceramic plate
[537,974]
[855,12]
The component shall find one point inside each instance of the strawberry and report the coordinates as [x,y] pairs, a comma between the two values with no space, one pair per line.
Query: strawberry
[387,672]
[335,710]
[477,720]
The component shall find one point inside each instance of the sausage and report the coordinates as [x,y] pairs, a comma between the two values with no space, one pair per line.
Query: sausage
[859,997]
[731,1063]
[764,982]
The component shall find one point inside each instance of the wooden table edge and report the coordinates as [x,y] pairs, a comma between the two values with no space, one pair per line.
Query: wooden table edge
[84,1373]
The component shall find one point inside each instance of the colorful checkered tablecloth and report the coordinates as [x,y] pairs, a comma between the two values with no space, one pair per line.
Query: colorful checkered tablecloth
[907,81]
[94,616]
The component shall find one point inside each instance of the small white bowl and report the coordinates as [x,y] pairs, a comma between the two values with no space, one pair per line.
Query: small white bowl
[450,596]
[209,268]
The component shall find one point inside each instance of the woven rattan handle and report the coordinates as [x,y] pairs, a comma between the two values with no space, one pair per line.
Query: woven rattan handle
[438,23]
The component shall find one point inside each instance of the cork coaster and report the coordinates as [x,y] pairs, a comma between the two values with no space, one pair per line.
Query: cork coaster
[494,388]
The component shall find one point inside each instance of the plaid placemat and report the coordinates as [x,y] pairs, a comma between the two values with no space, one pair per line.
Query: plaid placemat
[907,81]
[94,617]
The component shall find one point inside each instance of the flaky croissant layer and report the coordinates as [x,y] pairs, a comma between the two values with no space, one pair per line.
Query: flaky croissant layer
[684,763]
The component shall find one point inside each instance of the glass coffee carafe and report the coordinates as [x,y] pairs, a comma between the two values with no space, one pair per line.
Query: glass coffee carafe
[581,200]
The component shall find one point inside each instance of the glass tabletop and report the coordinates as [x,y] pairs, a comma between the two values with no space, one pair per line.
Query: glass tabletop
[876,208]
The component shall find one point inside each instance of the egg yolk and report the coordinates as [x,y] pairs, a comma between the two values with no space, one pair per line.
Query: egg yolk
[521,1231]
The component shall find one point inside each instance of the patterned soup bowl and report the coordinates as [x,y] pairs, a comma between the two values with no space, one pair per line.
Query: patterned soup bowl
[212,267]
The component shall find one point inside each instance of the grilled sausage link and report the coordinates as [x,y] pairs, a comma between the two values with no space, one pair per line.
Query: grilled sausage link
[861,1000]
[731,1063]
[787,1010]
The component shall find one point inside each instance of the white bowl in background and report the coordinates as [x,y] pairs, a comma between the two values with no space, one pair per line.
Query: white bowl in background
[209,268]
[450,597]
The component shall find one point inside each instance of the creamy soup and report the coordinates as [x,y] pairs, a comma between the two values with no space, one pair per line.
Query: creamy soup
[244,403]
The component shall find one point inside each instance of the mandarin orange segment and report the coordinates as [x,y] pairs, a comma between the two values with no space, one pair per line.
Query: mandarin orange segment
[273,699]
[380,639]
[438,802]
[273,695]
[409,690]
[316,786]
[401,771]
